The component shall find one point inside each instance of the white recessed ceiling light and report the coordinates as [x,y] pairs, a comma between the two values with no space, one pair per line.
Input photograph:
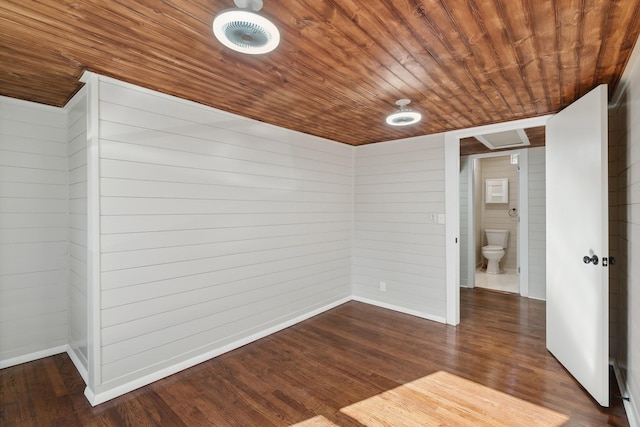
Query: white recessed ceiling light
[244,30]
[404,116]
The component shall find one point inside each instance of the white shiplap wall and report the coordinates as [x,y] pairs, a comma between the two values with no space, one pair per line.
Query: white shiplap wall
[398,184]
[33,230]
[537,224]
[626,272]
[615,167]
[213,228]
[77,151]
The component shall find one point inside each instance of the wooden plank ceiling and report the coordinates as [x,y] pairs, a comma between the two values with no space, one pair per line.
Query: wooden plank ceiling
[341,64]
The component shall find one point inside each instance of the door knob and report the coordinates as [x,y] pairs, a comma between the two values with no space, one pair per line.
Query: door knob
[593,259]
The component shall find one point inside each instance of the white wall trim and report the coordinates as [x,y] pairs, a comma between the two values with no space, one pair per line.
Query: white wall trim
[499,127]
[77,363]
[66,108]
[523,222]
[96,398]
[18,360]
[452,226]
[523,213]
[471,234]
[633,415]
[399,309]
[91,397]
[93,229]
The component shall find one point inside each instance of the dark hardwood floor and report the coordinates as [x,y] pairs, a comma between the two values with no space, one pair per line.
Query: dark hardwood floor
[315,368]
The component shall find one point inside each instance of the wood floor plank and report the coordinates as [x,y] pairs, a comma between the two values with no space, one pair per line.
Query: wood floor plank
[356,365]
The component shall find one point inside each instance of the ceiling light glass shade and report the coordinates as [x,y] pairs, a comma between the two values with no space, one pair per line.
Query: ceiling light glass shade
[246,31]
[404,116]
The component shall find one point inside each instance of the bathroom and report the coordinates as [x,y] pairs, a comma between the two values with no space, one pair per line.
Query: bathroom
[490,193]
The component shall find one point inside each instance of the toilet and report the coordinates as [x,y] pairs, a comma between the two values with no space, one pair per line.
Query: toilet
[494,250]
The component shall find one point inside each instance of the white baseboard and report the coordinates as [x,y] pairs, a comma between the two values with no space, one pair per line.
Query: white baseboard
[97,397]
[32,356]
[82,370]
[106,394]
[633,415]
[399,309]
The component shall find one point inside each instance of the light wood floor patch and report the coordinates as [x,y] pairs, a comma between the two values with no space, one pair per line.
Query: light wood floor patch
[446,399]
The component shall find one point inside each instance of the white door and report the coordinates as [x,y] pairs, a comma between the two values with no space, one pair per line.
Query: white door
[577,233]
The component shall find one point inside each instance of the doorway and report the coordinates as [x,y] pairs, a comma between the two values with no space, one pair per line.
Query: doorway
[452,207]
[503,217]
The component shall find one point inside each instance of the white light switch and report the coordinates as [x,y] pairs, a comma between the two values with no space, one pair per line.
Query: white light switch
[440,218]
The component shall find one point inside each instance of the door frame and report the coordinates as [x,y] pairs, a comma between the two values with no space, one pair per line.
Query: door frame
[452,204]
[522,249]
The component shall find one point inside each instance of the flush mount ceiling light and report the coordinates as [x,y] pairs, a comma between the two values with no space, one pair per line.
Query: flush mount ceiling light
[244,30]
[404,116]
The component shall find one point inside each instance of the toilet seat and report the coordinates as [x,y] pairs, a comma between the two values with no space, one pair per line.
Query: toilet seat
[492,248]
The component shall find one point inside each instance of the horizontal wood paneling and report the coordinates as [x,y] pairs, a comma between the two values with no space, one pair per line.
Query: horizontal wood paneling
[177,238]
[201,141]
[394,240]
[210,251]
[77,152]
[213,228]
[161,315]
[626,249]
[204,191]
[160,222]
[274,139]
[185,174]
[615,131]
[176,158]
[33,228]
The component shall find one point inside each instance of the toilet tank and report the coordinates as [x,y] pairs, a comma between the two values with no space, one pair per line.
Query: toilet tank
[497,237]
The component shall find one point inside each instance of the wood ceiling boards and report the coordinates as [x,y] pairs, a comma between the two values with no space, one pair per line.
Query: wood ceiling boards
[341,64]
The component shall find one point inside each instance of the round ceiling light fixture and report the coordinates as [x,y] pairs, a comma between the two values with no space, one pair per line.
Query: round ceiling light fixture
[244,30]
[404,116]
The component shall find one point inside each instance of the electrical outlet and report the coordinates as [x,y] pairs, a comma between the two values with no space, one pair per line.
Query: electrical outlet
[383,287]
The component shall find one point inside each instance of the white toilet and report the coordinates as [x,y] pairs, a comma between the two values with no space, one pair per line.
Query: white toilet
[494,250]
